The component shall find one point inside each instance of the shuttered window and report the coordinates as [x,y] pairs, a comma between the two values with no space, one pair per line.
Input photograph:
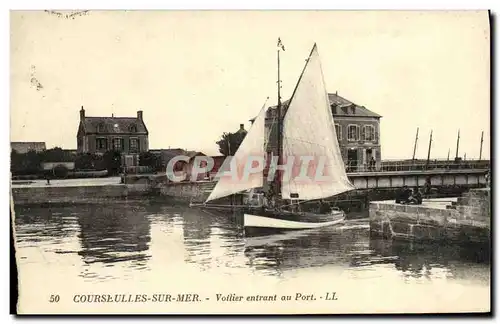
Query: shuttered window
[352,132]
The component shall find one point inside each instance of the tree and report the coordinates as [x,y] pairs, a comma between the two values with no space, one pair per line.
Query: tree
[150,160]
[88,161]
[25,163]
[60,171]
[112,161]
[230,142]
[56,154]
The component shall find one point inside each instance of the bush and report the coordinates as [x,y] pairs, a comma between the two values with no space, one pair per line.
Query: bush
[153,161]
[60,171]
[112,161]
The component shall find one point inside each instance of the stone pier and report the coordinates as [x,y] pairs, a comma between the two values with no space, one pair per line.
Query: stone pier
[463,219]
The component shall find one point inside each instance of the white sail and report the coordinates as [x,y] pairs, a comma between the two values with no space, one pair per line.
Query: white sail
[309,130]
[235,180]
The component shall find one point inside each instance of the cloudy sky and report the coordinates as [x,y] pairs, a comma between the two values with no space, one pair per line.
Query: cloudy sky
[198,74]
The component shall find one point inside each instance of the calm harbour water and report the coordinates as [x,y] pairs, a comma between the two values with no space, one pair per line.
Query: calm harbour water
[153,247]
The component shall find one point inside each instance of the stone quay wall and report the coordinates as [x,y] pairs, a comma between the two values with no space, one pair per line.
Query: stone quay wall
[75,194]
[468,220]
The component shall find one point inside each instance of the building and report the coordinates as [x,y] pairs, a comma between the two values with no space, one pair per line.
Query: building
[25,147]
[165,155]
[128,135]
[188,167]
[357,128]
[181,166]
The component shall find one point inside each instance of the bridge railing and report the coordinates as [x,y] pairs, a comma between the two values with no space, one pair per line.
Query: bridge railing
[387,166]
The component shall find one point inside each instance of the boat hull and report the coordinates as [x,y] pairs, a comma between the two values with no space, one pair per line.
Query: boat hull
[266,223]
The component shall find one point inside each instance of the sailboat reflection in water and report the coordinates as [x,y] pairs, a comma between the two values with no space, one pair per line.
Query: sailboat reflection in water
[307,166]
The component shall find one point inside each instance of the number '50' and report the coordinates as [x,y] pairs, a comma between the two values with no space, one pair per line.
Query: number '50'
[54,299]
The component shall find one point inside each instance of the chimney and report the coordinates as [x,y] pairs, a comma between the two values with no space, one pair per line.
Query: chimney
[139,114]
[242,127]
[82,113]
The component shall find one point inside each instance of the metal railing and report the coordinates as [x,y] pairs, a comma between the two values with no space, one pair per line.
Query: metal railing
[417,165]
[137,169]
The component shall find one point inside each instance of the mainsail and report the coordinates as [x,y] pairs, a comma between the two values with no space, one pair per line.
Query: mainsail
[234,180]
[309,130]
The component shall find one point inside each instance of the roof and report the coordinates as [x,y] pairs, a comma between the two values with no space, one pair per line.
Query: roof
[28,143]
[23,147]
[168,154]
[114,125]
[344,105]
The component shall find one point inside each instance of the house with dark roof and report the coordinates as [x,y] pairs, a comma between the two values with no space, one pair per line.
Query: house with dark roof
[25,147]
[357,128]
[128,135]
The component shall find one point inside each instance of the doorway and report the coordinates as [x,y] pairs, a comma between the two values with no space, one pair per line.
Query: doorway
[352,160]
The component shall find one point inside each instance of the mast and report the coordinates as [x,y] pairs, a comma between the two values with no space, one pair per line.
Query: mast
[458,142]
[280,116]
[429,151]
[415,146]
[279,125]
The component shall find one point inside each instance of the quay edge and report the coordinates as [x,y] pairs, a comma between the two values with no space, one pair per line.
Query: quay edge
[466,220]
[370,187]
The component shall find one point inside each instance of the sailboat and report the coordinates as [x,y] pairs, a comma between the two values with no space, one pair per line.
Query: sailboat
[305,129]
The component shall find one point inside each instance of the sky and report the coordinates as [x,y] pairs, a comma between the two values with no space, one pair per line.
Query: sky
[197,74]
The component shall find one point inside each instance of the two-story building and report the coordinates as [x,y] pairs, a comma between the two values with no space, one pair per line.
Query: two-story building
[358,133]
[127,135]
[357,128]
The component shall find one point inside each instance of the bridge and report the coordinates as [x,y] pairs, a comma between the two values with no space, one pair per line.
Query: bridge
[437,177]
[452,178]
[440,173]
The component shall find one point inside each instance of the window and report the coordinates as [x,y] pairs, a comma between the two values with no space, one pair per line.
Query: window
[117,144]
[101,128]
[132,128]
[101,144]
[352,132]
[369,132]
[338,130]
[134,145]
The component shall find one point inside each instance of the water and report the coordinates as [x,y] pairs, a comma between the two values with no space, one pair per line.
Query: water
[135,248]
